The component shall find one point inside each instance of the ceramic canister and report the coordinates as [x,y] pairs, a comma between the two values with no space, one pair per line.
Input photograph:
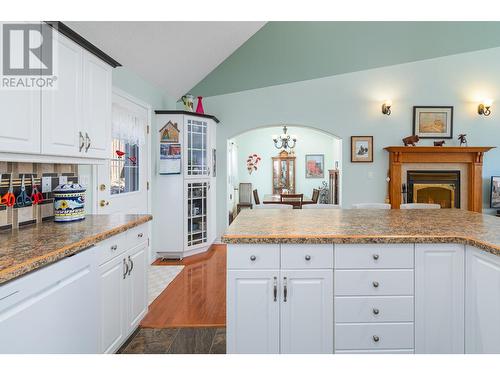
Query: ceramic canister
[69,202]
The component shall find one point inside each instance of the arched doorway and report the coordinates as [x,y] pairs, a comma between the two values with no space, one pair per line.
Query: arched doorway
[252,159]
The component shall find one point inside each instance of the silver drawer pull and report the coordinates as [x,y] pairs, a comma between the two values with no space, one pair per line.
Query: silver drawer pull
[376,338]
[252,258]
[307,257]
[275,288]
[376,311]
[140,235]
[375,284]
[375,256]
[114,247]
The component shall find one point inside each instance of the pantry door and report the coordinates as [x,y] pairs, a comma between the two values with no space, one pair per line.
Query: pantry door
[123,180]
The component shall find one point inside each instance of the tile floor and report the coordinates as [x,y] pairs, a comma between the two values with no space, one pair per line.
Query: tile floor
[176,341]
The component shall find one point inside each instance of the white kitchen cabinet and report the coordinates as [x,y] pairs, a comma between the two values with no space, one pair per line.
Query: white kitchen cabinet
[113,307]
[253,313]
[439,298]
[482,302]
[306,311]
[52,310]
[123,286]
[96,106]
[62,132]
[190,221]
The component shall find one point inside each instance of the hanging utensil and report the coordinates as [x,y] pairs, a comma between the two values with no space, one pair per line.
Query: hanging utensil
[23,199]
[9,199]
[36,196]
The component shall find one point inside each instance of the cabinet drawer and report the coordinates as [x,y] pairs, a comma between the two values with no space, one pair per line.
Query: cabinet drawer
[373,282]
[375,351]
[253,256]
[137,235]
[373,309]
[374,256]
[306,256]
[374,336]
[112,247]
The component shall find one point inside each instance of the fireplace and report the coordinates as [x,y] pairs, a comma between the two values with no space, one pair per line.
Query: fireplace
[441,187]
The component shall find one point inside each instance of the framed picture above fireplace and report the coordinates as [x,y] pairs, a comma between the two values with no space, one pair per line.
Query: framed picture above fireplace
[433,122]
[495,192]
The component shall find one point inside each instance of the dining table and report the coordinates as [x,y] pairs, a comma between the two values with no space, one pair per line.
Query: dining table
[275,198]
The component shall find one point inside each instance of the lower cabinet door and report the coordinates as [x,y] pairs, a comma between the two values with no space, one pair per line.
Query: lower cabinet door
[113,317]
[137,286]
[482,312]
[306,311]
[253,300]
[439,298]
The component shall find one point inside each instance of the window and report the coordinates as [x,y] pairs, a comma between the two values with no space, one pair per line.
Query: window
[124,167]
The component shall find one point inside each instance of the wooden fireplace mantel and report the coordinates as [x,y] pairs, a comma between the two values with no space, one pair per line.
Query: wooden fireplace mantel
[472,156]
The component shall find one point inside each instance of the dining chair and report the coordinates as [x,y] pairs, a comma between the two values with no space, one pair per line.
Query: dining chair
[318,206]
[315,196]
[362,206]
[245,196]
[419,206]
[273,205]
[256,196]
[293,199]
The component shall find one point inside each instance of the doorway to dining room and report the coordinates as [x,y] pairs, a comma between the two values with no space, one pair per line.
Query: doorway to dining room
[283,159]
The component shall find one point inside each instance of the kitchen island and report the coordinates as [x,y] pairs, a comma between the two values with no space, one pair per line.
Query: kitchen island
[363,281]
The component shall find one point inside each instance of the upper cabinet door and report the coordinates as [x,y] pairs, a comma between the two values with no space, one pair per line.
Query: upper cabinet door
[439,298]
[62,105]
[96,107]
[197,147]
[306,312]
[482,302]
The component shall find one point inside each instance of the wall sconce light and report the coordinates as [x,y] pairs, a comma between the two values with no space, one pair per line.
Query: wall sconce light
[484,107]
[386,107]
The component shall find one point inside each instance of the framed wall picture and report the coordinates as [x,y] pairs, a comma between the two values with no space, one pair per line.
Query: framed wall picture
[495,192]
[315,166]
[433,121]
[362,149]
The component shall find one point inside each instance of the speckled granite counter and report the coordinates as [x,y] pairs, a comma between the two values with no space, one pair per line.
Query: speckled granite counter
[33,247]
[366,226]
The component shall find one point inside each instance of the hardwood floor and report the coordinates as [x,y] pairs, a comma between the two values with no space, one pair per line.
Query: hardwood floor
[196,297]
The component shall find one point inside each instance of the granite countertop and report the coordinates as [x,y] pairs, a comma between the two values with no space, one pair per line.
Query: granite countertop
[365,226]
[27,249]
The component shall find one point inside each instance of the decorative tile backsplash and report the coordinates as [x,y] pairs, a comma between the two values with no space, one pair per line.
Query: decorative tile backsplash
[46,178]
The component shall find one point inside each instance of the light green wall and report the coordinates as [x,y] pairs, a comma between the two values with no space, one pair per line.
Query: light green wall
[285,52]
[260,141]
[350,104]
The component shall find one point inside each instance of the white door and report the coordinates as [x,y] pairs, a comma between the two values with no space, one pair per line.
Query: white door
[62,125]
[122,181]
[197,214]
[252,311]
[20,116]
[307,311]
[439,298]
[113,307]
[197,146]
[482,307]
[137,299]
[96,106]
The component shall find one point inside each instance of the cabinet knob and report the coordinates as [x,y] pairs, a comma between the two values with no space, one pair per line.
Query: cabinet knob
[114,247]
[375,256]
[140,235]
[252,258]
[103,203]
[307,257]
[375,311]
[375,284]
[376,338]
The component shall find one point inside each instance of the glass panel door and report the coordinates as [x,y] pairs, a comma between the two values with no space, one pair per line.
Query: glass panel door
[197,157]
[197,213]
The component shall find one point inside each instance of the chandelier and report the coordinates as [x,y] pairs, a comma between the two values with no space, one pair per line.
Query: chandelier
[285,141]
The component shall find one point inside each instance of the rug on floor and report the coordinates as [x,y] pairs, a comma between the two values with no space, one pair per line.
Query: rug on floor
[159,278]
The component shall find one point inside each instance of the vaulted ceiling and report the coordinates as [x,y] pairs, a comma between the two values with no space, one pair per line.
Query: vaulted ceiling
[174,56]
[284,52]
